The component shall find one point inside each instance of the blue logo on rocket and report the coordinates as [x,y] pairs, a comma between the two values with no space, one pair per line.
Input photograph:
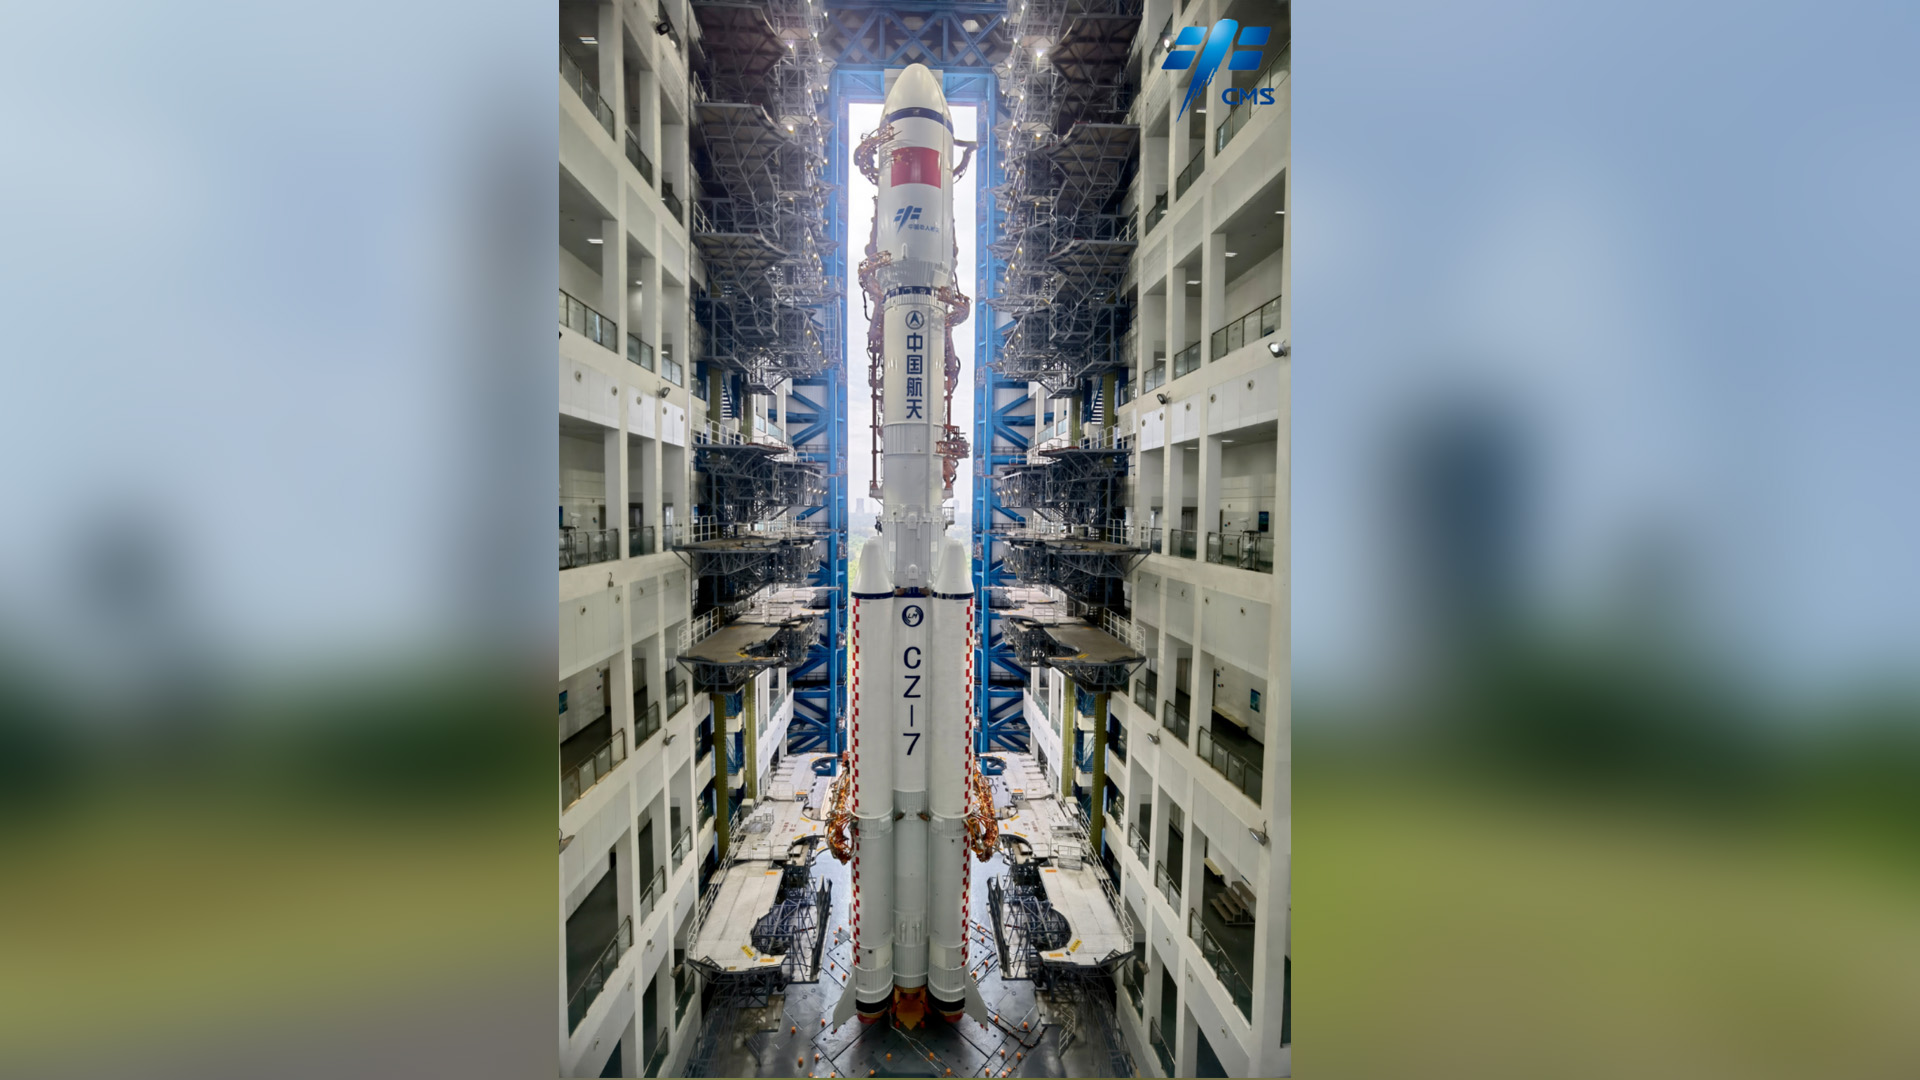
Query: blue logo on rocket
[1246,54]
[904,215]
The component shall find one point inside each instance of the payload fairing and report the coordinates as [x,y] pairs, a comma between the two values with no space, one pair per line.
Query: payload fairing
[912,791]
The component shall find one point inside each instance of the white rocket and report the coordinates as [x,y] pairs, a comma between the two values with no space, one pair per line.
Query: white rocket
[911,702]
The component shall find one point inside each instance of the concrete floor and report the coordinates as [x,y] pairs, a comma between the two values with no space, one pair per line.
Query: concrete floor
[783,1038]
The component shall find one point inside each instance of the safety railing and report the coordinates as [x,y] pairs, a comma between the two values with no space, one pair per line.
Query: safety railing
[640,541]
[578,780]
[639,352]
[1145,689]
[667,196]
[1116,740]
[1195,166]
[1160,1048]
[647,724]
[659,1059]
[575,76]
[683,991]
[1254,325]
[1156,541]
[639,157]
[1173,717]
[1246,550]
[1119,625]
[682,845]
[1168,884]
[1241,771]
[576,315]
[1158,213]
[651,896]
[584,547]
[676,693]
[1221,961]
[1138,842]
[670,368]
[597,975]
[1155,376]
[1182,543]
[1186,360]
[1270,78]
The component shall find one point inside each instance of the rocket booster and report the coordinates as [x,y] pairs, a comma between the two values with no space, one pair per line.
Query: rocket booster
[912,607]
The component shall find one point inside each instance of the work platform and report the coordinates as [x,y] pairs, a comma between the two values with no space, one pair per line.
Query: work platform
[774,631]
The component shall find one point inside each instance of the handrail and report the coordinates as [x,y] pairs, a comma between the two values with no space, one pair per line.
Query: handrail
[1195,166]
[577,316]
[584,776]
[1187,360]
[1173,717]
[1181,543]
[639,351]
[639,157]
[1221,961]
[640,541]
[650,896]
[1247,549]
[597,975]
[576,76]
[1243,773]
[1275,72]
[585,547]
[1158,213]
[1263,321]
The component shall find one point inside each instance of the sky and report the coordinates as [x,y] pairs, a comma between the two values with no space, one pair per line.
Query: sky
[860,203]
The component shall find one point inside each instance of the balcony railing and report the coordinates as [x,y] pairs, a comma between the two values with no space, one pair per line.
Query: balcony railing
[1254,325]
[584,547]
[659,1059]
[1240,771]
[1269,78]
[1246,550]
[1155,376]
[670,369]
[576,781]
[1186,360]
[1192,172]
[1173,717]
[647,724]
[683,992]
[1133,976]
[667,196]
[1182,543]
[639,352]
[682,845]
[599,973]
[1159,211]
[1139,844]
[576,77]
[1160,1048]
[1117,741]
[650,896]
[1217,958]
[639,157]
[576,315]
[1168,885]
[1145,689]
[640,541]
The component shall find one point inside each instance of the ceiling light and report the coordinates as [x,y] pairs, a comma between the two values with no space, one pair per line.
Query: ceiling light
[1190,281]
[1199,112]
[1279,213]
[595,240]
[1233,254]
[589,40]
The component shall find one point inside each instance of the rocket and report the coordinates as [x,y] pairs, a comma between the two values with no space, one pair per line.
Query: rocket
[911,775]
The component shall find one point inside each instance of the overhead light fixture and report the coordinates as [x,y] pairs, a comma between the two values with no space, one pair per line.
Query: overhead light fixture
[1279,348]
[595,240]
[586,39]
[1199,112]
[1279,213]
[1233,254]
[1190,281]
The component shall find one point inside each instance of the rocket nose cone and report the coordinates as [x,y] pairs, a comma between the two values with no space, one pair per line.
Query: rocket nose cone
[916,87]
[956,570]
[872,576]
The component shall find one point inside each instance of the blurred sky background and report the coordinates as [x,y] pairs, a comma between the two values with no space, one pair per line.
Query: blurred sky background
[1606,595]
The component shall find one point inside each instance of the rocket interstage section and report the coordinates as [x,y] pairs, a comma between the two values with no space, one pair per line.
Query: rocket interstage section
[910,770]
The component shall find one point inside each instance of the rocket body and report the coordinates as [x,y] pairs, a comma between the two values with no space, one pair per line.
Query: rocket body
[912,606]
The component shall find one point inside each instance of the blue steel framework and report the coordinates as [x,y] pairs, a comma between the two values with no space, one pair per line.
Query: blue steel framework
[866,39]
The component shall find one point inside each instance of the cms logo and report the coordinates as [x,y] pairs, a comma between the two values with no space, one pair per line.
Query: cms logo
[904,215]
[1214,46]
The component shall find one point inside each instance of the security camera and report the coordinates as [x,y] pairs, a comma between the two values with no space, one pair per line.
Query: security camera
[1279,348]
[663,391]
[1160,397]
